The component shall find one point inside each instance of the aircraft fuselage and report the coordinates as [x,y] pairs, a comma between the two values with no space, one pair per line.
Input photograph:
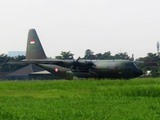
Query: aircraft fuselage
[100,69]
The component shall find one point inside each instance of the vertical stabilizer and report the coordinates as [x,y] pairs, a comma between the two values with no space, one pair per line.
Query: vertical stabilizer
[34,47]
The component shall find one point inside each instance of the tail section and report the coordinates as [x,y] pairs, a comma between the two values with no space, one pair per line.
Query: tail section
[34,47]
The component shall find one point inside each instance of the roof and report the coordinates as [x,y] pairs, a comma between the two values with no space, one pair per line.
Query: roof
[152,63]
[25,71]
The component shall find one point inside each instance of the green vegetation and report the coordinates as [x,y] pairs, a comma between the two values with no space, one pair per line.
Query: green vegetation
[4,67]
[81,99]
[151,57]
[65,55]
[89,54]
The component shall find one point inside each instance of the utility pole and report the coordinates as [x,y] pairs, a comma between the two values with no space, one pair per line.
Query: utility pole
[158,49]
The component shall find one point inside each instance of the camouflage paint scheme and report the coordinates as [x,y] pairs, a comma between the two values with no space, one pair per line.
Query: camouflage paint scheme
[81,68]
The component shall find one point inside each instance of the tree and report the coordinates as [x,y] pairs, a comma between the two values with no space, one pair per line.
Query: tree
[59,57]
[89,54]
[122,55]
[154,72]
[149,57]
[4,67]
[65,55]
[103,56]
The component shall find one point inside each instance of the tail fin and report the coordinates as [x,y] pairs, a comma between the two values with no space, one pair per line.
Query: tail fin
[34,47]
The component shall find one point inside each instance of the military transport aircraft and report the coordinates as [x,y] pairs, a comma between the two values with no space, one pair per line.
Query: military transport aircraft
[81,68]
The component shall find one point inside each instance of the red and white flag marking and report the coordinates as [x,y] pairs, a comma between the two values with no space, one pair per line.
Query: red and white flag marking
[56,70]
[32,41]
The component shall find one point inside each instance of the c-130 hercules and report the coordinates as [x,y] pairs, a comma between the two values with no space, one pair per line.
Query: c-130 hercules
[81,68]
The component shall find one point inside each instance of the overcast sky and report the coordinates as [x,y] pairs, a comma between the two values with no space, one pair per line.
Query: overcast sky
[131,26]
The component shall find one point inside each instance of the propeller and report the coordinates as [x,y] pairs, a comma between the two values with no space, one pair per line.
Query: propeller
[75,63]
[84,66]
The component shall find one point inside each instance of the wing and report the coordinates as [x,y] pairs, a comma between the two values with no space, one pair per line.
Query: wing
[72,64]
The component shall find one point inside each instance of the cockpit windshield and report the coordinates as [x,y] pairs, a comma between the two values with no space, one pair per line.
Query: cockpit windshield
[135,65]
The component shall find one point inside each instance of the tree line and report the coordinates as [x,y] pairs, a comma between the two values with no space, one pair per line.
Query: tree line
[89,54]
[4,59]
[154,70]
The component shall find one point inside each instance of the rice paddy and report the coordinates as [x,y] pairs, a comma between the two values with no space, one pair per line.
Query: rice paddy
[80,99]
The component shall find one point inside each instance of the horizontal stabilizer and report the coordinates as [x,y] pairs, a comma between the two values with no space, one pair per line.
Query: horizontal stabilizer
[18,63]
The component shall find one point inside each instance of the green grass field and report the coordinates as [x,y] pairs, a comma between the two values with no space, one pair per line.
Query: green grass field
[136,99]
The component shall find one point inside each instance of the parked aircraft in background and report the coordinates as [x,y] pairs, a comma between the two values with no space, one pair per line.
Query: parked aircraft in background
[81,68]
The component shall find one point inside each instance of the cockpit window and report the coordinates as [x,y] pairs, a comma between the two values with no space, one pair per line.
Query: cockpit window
[132,64]
[135,65]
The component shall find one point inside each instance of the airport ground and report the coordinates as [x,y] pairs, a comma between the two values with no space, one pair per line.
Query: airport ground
[81,99]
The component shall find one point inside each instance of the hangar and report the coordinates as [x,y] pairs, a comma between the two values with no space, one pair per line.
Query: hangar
[30,72]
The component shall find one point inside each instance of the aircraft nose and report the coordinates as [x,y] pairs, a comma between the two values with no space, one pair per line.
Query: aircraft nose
[138,72]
